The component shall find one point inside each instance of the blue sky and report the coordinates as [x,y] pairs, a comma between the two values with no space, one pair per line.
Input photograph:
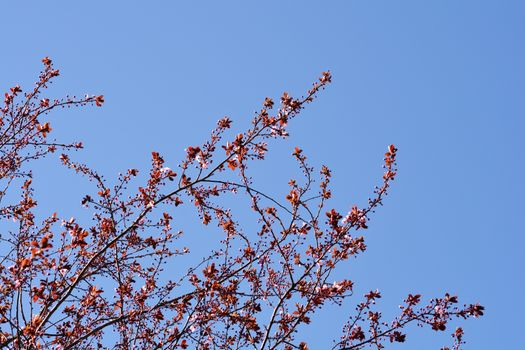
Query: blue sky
[443,80]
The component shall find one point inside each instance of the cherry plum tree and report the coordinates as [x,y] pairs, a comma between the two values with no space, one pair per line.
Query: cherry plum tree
[66,284]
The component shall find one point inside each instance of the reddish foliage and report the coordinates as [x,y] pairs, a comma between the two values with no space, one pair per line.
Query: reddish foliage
[69,286]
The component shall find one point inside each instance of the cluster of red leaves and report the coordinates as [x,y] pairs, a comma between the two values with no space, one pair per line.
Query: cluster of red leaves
[68,285]
[436,314]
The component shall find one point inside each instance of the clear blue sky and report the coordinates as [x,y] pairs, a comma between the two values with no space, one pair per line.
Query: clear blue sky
[443,80]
